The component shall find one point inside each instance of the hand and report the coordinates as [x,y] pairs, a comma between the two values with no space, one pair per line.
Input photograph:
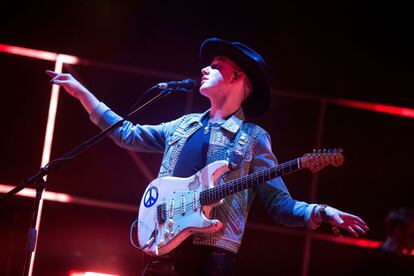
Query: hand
[75,89]
[353,224]
[71,85]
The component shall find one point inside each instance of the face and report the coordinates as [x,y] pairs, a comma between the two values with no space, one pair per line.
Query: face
[218,77]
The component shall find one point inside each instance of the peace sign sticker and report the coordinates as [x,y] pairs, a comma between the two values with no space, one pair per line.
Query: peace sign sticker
[151,197]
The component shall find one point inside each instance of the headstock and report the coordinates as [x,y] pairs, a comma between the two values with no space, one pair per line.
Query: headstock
[321,158]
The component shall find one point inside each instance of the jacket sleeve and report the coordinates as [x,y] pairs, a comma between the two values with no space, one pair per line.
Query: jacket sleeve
[274,194]
[135,137]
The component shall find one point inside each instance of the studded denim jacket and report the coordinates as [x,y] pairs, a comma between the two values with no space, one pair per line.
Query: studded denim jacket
[169,138]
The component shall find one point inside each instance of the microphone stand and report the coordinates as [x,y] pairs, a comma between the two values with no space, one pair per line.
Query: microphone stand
[38,180]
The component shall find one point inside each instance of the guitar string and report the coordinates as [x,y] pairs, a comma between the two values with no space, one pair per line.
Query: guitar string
[177,211]
[220,191]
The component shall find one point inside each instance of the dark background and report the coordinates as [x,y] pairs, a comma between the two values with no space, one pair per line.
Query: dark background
[353,50]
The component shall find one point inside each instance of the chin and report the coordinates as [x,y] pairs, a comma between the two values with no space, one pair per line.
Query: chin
[203,91]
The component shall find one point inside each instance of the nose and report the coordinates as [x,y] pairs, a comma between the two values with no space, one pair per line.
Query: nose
[205,70]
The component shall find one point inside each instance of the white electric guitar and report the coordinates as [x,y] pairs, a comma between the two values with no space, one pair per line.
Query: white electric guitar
[173,208]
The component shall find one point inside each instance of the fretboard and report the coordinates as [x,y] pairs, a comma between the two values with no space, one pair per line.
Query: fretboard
[215,194]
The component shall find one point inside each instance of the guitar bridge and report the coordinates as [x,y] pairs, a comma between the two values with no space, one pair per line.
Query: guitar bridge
[162,213]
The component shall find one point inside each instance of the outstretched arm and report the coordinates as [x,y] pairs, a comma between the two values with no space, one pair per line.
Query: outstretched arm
[149,138]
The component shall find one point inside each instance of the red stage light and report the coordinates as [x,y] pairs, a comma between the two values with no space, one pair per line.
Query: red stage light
[28,192]
[32,53]
[376,107]
[88,273]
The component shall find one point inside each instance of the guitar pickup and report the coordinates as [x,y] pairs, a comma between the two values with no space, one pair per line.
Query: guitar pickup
[162,213]
[183,205]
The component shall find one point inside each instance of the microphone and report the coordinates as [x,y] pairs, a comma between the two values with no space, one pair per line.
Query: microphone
[187,85]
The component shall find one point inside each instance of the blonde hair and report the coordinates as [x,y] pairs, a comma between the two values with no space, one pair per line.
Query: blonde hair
[247,88]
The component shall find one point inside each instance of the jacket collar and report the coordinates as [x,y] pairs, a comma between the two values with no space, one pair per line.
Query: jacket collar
[232,124]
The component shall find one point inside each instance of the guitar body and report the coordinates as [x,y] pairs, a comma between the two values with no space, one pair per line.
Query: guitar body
[170,209]
[173,208]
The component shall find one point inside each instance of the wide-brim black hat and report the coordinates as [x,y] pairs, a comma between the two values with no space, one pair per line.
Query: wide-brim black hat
[252,64]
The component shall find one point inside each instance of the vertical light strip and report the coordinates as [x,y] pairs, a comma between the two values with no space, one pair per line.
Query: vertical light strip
[50,127]
[313,192]
[47,146]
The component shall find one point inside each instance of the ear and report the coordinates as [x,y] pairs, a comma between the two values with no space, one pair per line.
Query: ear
[238,75]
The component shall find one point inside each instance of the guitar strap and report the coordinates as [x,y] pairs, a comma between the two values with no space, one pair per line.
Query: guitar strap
[245,137]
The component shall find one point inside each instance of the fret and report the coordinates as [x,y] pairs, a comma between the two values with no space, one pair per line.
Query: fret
[248,181]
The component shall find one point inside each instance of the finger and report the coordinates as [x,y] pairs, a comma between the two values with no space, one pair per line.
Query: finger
[359,229]
[51,73]
[360,221]
[60,77]
[55,79]
[352,231]
[59,82]
[364,226]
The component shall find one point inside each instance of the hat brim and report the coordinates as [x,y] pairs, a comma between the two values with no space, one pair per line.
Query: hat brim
[252,65]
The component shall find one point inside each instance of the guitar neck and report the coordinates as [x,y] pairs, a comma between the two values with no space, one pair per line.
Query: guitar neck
[215,194]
